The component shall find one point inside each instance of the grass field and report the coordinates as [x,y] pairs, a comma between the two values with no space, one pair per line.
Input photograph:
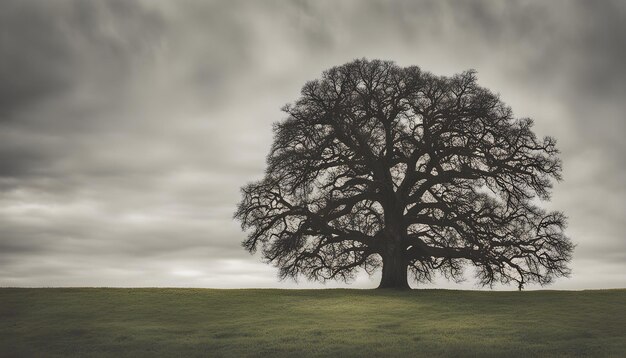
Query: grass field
[89,322]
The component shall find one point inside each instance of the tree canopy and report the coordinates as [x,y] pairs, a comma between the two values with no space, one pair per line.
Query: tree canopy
[382,166]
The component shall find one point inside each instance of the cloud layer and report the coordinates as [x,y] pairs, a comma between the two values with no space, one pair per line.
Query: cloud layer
[127,128]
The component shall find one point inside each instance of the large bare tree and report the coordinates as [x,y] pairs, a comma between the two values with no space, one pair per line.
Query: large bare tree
[380,165]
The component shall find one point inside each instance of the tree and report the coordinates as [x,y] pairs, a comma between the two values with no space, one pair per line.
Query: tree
[380,165]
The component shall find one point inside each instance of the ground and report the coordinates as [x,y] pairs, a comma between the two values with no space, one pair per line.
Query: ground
[152,322]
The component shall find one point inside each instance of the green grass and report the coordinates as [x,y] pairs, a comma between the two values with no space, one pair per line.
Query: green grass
[97,322]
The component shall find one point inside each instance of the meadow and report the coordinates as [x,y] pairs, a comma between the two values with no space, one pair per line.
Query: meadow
[149,322]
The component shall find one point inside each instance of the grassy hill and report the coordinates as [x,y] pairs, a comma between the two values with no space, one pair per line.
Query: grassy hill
[327,323]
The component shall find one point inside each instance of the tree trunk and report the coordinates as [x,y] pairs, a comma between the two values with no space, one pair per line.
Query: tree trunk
[394,270]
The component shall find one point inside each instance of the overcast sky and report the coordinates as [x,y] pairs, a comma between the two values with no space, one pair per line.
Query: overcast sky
[128,127]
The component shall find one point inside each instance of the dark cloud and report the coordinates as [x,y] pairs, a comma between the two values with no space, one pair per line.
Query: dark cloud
[48,48]
[127,128]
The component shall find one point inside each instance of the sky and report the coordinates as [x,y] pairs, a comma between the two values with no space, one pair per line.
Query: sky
[128,127]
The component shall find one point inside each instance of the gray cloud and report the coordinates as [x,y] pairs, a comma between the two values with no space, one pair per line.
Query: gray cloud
[127,128]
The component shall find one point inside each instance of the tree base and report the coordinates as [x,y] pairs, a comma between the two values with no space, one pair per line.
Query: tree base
[396,288]
[394,285]
[394,275]
[396,282]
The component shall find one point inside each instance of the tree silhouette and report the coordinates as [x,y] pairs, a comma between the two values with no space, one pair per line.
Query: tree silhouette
[380,165]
